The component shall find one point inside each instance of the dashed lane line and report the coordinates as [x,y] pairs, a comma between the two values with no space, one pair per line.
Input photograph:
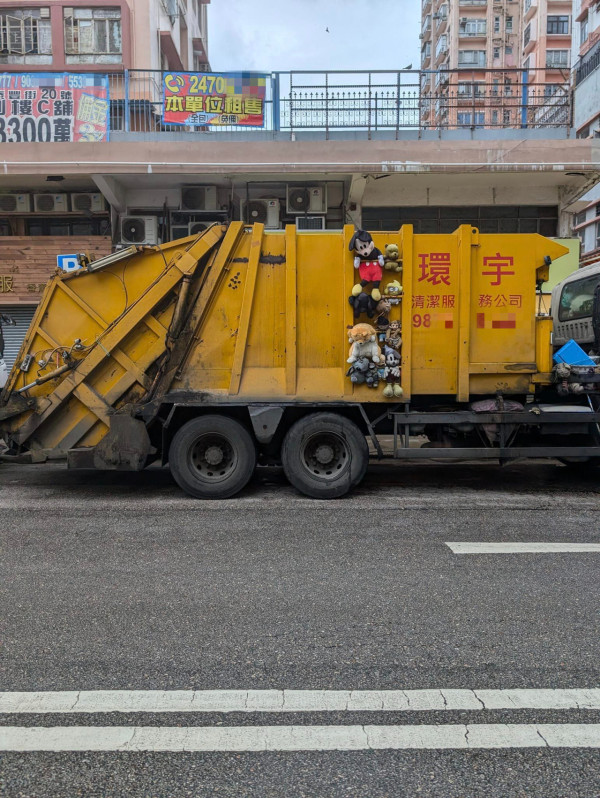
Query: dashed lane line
[299,738]
[523,548]
[222,701]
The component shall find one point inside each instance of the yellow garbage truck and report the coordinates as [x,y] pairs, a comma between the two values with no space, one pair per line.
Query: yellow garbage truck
[243,346]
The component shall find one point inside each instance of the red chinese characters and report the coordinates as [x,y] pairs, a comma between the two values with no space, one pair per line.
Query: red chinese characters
[435,267]
[499,266]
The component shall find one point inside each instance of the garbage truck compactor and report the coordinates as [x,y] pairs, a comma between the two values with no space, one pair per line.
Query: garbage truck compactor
[242,346]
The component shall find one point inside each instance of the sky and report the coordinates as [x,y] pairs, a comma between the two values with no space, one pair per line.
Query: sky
[272,35]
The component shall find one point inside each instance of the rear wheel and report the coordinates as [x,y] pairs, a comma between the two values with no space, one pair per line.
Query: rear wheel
[212,457]
[324,455]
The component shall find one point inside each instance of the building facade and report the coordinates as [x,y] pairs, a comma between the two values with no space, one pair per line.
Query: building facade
[496,62]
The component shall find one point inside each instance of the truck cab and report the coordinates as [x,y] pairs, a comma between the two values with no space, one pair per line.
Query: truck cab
[576,309]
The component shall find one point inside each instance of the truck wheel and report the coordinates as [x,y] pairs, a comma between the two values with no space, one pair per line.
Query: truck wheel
[212,457]
[324,455]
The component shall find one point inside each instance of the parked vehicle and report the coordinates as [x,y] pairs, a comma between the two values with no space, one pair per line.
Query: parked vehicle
[221,351]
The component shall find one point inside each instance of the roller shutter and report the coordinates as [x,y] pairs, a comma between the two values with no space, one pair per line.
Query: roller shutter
[13,336]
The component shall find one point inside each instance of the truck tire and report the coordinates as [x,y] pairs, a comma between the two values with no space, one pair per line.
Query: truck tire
[324,455]
[212,457]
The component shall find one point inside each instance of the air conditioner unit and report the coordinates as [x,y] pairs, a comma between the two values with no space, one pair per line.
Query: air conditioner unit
[199,198]
[194,228]
[309,199]
[51,203]
[263,211]
[139,230]
[464,20]
[310,222]
[88,203]
[15,203]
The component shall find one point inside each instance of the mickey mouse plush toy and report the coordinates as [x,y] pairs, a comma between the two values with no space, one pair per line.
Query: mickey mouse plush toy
[369,262]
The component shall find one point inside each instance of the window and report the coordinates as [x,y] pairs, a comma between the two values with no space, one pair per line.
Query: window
[496,52]
[557,58]
[441,46]
[583,30]
[509,24]
[426,51]
[581,235]
[464,119]
[550,89]
[580,218]
[577,298]
[471,58]
[558,25]
[93,35]
[67,227]
[473,27]
[508,50]
[494,117]
[506,117]
[527,35]
[597,235]
[25,36]
[496,24]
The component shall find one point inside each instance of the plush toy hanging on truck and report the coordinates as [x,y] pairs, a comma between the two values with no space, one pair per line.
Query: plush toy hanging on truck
[220,352]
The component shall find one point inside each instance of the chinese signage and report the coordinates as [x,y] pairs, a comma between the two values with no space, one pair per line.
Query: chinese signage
[234,98]
[53,107]
[434,309]
[6,284]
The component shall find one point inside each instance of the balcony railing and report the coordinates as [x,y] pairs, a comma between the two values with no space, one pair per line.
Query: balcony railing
[588,64]
[330,104]
[335,101]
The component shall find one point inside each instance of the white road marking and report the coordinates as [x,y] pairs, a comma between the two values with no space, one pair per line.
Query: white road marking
[298,738]
[96,701]
[523,548]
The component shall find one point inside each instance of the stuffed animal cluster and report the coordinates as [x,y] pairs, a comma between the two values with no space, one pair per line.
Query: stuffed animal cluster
[367,363]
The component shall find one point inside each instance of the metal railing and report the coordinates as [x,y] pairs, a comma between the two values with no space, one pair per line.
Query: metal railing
[378,102]
[587,64]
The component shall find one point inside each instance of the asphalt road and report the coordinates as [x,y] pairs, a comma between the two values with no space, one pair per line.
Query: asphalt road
[119,581]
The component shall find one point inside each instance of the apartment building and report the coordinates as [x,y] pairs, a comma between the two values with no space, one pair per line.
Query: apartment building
[102,35]
[586,115]
[497,61]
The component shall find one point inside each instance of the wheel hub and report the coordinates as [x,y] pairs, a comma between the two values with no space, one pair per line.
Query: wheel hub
[214,455]
[324,454]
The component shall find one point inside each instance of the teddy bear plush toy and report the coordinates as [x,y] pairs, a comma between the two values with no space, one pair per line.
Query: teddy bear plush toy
[391,373]
[369,262]
[363,303]
[363,343]
[392,258]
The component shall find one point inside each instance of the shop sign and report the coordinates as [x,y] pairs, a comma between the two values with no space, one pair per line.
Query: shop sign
[53,107]
[6,284]
[233,98]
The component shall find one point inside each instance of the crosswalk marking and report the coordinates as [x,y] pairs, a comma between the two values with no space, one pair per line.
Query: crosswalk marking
[523,548]
[98,701]
[298,738]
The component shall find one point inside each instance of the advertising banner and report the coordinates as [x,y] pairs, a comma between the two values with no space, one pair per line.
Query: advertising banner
[53,107]
[233,98]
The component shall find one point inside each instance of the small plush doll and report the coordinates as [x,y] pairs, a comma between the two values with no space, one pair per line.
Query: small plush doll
[391,373]
[392,258]
[369,262]
[364,371]
[382,321]
[358,370]
[394,335]
[393,289]
[363,343]
[363,303]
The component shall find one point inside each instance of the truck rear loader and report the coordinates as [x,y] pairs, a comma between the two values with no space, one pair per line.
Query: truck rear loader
[221,351]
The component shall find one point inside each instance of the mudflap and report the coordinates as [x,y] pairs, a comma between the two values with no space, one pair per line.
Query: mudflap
[126,447]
